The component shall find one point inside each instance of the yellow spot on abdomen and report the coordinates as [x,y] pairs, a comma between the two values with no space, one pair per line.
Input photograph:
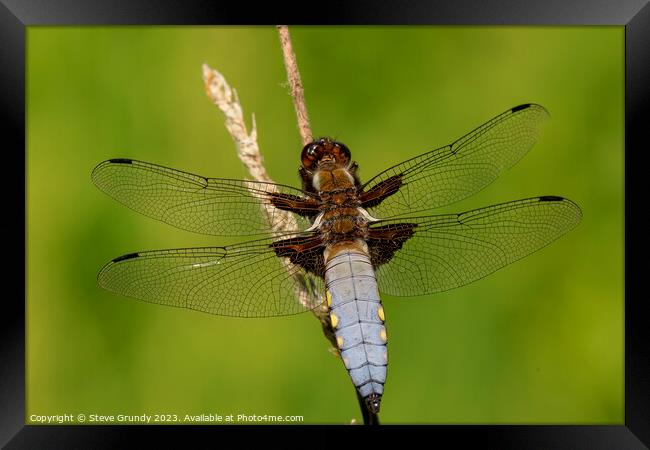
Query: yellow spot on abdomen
[328,296]
[382,334]
[380,313]
[334,319]
[339,341]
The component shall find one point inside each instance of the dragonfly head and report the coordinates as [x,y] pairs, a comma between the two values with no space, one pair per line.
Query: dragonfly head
[324,153]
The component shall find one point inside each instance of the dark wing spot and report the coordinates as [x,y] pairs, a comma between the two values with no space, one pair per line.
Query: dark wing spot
[520,107]
[125,257]
[121,161]
[550,198]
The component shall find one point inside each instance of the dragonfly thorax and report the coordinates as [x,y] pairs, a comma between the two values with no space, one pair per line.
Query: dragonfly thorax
[333,180]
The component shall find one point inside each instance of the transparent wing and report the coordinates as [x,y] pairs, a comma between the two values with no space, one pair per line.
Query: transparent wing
[447,251]
[243,280]
[215,206]
[458,170]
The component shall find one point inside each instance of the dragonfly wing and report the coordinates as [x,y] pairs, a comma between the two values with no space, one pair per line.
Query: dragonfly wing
[242,280]
[423,255]
[458,170]
[214,206]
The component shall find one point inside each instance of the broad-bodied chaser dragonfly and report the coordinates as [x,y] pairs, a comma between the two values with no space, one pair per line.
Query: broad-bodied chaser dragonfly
[355,239]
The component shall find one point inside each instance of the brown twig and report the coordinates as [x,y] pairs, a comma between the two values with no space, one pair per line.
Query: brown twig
[297,92]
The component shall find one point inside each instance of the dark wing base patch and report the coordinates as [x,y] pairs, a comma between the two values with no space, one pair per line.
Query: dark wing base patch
[303,252]
[384,189]
[384,241]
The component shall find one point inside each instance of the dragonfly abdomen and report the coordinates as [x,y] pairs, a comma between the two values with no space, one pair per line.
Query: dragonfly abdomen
[357,318]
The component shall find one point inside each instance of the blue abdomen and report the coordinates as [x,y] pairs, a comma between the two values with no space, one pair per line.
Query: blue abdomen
[358,321]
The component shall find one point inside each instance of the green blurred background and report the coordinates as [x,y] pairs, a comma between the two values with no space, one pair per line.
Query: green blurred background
[540,341]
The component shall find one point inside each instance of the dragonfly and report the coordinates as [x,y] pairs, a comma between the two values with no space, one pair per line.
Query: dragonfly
[337,242]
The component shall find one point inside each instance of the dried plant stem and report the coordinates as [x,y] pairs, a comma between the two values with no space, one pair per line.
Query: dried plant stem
[297,92]
[225,98]
[220,92]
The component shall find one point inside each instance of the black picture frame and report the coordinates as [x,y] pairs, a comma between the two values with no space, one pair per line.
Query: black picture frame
[15,15]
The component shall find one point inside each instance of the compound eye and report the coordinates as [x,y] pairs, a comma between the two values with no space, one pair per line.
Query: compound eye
[345,151]
[309,154]
[343,154]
